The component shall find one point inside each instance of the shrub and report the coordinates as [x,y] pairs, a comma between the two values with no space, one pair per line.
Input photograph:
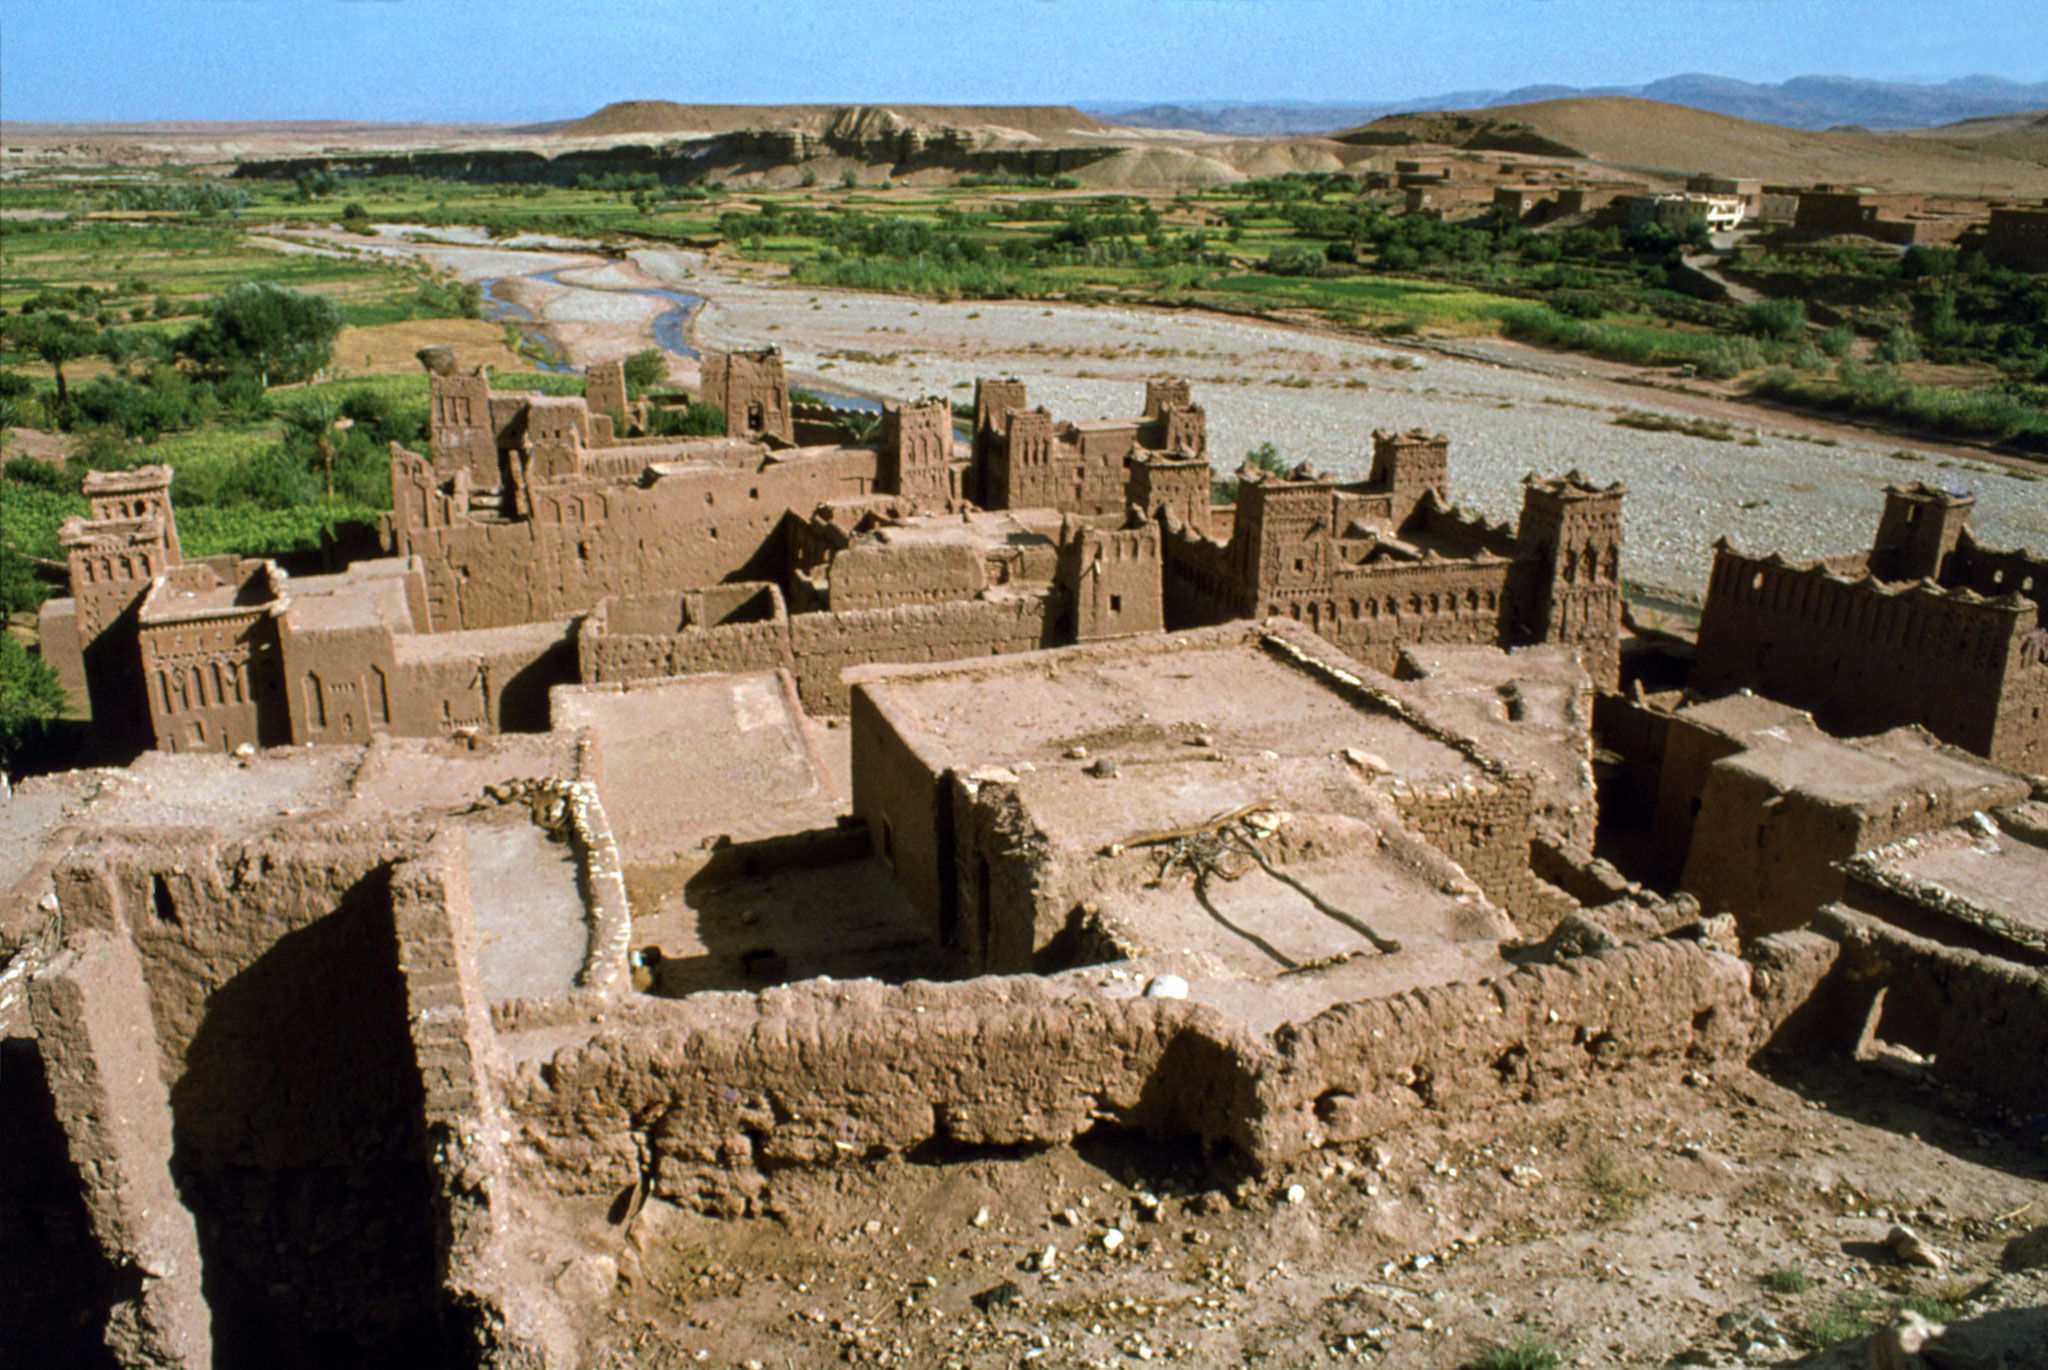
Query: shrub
[1899,345]
[1727,357]
[1783,320]
[1526,1352]
[698,420]
[41,475]
[1613,1189]
[1788,1279]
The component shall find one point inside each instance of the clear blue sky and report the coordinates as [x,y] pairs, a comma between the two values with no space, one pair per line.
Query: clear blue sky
[498,60]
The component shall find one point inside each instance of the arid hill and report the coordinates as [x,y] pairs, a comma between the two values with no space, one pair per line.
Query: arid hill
[1645,135]
[665,116]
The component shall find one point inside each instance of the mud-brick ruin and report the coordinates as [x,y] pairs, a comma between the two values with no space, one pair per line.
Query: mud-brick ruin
[667,822]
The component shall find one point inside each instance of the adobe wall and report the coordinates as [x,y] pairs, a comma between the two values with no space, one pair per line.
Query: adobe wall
[1374,611]
[869,575]
[273,1009]
[1199,581]
[57,642]
[815,648]
[1109,582]
[721,1091]
[1865,657]
[824,645]
[213,683]
[2018,238]
[1975,1016]
[908,812]
[1767,853]
[1363,1069]
[587,540]
[49,1258]
[494,681]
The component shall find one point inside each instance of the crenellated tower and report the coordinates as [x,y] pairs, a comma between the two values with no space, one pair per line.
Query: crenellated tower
[917,452]
[129,540]
[753,390]
[1920,527]
[1408,466]
[1569,588]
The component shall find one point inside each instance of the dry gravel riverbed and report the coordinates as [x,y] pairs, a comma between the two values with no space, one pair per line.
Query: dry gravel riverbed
[1783,483]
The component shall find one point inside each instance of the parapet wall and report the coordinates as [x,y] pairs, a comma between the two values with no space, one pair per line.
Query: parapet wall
[1865,656]
[1976,1018]
[723,1090]
[815,648]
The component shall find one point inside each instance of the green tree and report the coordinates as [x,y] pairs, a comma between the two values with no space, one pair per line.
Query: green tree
[30,698]
[1265,457]
[55,337]
[280,335]
[860,427]
[645,369]
[20,591]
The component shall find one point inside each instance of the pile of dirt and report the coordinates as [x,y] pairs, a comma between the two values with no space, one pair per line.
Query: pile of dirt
[665,116]
[1647,135]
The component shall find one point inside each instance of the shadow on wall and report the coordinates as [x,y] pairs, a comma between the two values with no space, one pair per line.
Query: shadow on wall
[55,1288]
[523,699]
[789,908]
[300,1148]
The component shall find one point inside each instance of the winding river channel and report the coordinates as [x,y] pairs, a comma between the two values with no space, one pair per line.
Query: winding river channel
[1803,485]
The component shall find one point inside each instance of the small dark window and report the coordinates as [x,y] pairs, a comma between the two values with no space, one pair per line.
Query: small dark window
[1116,604]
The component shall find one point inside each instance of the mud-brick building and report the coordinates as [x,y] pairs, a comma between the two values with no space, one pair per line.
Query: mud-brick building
[571,513]
[1390,562]
[2017,237]
[1024,459]
[1928,627]
[220,653]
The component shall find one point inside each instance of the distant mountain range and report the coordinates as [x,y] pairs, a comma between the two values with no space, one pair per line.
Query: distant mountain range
[1810,102]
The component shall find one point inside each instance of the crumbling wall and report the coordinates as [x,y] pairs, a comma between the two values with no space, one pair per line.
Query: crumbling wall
[1487,825]
[276,1018]
[1975,1017]
[705,1100]
[1360,1069]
